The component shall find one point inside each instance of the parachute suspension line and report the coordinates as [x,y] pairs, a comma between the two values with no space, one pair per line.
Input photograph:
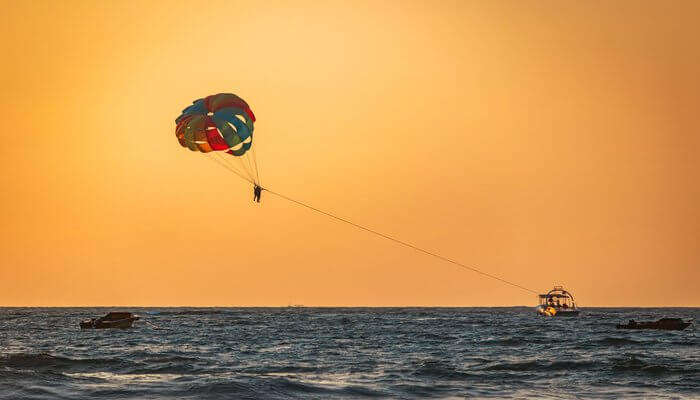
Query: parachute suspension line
[242,170]
[250,164]
[401,242]
[228,167]
[237,160]
[242,163]
[255,163]
[249,156]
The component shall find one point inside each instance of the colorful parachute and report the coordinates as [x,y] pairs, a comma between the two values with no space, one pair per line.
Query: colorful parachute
[220,123]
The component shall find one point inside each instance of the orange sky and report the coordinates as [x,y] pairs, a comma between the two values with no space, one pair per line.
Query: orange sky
[542,141]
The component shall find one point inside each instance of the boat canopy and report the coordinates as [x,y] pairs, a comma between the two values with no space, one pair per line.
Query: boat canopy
[554,296]
[562,298]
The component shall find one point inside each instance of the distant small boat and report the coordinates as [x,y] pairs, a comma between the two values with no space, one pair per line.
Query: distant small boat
[666,324]
[557,303]
[112,320]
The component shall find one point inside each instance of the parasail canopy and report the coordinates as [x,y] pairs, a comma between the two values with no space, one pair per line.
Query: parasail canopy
[220,123]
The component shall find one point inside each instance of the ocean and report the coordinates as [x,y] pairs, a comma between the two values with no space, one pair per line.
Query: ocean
[336,353]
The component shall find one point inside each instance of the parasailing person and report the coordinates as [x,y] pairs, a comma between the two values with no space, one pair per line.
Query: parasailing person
[256,193]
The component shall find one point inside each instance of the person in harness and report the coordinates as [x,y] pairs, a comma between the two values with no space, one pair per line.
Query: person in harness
[257,190]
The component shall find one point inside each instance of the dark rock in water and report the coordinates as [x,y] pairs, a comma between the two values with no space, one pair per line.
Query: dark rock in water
[666,324]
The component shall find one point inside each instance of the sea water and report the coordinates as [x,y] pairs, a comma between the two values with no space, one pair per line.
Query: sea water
[281,353]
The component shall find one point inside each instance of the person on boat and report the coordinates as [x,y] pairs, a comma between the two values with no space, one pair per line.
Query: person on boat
[565,306]
[558,303]
[257,190]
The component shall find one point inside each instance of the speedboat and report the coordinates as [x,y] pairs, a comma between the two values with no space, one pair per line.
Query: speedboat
[666,324]
[557,303]
[112,320]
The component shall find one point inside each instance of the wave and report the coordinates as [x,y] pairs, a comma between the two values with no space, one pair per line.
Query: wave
[10,316]
[434,336]
[438,369]
[616,341]
[540,366]
[41,361]
[634,364]
[166,359]
[514,366]
[168,368]
[509,341]
[284,369]
[195,312]
[47,363]
[257,388]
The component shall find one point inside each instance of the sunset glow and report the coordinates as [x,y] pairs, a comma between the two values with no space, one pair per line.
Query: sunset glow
[544,142]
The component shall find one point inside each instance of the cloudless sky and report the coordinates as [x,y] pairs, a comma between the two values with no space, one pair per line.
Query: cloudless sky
[545,142]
